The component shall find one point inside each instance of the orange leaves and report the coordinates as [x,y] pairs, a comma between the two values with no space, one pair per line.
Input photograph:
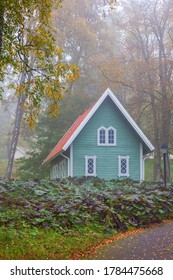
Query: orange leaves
[93,250]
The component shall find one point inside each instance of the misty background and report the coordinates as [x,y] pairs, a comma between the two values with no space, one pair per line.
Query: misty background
[127,47]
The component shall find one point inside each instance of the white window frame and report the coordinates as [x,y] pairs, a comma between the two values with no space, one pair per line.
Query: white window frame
[106,136]
[120,174]
[94,166]
[98,136]
[55,171]
[114,130]
[62,169]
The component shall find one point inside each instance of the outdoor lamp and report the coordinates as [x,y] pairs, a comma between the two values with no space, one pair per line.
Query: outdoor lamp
[164,148]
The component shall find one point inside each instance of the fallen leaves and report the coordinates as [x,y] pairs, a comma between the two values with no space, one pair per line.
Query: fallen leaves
[102,243]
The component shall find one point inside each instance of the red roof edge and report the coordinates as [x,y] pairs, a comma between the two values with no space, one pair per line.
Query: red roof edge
[59,147]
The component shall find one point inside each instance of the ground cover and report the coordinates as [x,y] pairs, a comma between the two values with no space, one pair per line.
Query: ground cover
[64,218]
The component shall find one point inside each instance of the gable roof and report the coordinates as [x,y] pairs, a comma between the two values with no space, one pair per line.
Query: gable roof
[62,142]
[82,120]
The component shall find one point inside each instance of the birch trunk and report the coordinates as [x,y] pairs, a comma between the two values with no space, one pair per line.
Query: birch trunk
[16,131]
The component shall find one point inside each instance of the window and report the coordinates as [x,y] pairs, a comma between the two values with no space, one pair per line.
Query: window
[102,136]
[62,169]
[123,166]
[111,136]
[90,165]
[106,136]
[55,171]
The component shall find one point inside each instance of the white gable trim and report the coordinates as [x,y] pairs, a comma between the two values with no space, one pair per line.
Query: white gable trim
[109,93]
[131,121]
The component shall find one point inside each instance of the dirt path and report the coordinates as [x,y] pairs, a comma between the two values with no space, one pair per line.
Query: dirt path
[154,243]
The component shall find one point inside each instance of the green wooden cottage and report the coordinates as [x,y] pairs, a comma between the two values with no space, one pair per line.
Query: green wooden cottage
[104,141]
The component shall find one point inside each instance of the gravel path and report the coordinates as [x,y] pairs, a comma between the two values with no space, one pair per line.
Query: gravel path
[154,243]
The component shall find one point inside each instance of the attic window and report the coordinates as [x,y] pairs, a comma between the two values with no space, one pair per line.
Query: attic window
[111,136]
[102,136]
[106,136]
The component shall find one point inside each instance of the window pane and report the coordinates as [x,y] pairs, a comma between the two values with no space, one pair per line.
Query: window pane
[102,136]
[123,166]
[111,136]
[90,166]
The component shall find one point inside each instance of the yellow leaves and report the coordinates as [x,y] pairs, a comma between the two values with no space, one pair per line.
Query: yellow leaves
[74,74]
[58,95]
[33,50]
[21,88]
[112,1]
[30,114]
[53,109]
[31,120]
[72,77]
[53,94]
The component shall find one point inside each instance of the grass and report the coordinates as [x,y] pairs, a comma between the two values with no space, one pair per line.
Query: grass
[37,244]
[3,167]
[26,242]
[149,170]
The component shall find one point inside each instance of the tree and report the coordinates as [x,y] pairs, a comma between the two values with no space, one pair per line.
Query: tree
[46,135]
[146,59]
[87,40]
[39,62]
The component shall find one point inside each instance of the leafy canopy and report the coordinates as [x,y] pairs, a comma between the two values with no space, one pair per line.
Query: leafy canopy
[29,48]
[47,133]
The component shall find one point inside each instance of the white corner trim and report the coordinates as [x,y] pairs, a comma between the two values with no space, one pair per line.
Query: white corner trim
[71,160]
[141,163]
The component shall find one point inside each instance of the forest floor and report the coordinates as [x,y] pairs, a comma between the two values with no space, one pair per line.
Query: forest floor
[152,243]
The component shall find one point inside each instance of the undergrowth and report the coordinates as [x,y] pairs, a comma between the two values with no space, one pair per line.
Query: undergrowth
[57,219]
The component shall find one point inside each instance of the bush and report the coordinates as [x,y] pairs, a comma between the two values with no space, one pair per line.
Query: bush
[73,203]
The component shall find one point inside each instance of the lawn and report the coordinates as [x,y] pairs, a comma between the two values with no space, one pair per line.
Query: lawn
[149,170]
[3,167]
[32,243]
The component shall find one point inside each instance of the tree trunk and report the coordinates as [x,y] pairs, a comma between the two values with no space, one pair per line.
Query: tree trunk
[157,155]
[1,26]
[16,131]
[157,171]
